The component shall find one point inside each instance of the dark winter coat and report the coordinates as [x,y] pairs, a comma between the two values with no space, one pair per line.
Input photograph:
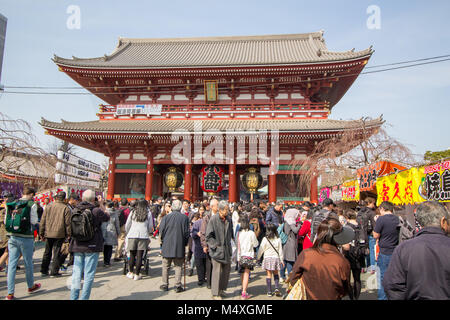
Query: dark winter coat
[196,244]
[174,234]
[420,268]
[96,244]
[218,237]
[274,216]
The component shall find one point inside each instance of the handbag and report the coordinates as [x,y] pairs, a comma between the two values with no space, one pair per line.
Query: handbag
[65,248]
[297,292]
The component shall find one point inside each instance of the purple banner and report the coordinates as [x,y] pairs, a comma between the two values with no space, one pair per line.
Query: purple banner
[16,188]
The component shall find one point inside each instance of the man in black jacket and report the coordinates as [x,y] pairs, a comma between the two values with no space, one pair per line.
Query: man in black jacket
[275,214]
[174,233]
[420,268]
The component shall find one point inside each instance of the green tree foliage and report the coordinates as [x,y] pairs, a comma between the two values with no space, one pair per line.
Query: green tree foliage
[436,155]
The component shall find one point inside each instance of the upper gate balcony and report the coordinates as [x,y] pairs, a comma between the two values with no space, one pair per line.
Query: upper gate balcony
[214,111]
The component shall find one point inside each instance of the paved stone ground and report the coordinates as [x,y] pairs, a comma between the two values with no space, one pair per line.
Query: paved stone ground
[111,284]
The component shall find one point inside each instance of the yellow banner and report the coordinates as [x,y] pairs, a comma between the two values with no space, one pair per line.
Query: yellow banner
[350,191]
[406,187]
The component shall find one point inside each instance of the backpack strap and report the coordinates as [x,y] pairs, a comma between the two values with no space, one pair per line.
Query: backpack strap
[273,248]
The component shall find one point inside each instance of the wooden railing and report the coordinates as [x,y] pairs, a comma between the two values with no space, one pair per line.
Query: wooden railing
[250,107]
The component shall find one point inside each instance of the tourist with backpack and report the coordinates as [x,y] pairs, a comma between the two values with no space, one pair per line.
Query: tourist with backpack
[272,250]
[387,233]
[55,228]
[86,244]
[20,217]
[355,252]
[290,246]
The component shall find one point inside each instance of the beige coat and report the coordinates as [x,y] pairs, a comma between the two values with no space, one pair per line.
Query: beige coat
[55,221]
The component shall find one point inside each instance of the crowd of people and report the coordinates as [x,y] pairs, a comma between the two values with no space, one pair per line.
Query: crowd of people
[318,252]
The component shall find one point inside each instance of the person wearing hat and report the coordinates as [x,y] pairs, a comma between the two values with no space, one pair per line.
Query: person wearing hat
[73,200]
[55,228]
[324,270]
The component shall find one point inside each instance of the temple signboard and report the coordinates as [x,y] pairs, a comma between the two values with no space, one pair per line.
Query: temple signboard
[148,109]
[211,91]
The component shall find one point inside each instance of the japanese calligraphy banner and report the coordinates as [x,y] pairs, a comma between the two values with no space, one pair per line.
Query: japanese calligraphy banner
[324,193]
[350,191]
[367,176]
[406,187]
[437,181]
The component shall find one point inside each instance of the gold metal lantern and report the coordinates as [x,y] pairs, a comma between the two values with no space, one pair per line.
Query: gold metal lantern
[252,181]
[173,179]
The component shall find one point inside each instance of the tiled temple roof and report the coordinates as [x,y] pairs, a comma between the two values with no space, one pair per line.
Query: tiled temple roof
[170,125]
[217,51]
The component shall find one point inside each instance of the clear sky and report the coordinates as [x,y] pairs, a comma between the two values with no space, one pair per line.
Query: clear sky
[414,102]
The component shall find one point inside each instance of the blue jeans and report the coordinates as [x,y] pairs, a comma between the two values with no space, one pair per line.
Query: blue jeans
[83,264]
[383,264]
[287,267]
[17,246]
[371,257]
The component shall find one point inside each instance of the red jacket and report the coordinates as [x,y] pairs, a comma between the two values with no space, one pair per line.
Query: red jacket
[305,231]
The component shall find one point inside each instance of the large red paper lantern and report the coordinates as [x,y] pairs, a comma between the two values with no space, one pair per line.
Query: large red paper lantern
[212,178]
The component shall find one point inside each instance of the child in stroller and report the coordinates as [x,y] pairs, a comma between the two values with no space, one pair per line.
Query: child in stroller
[145,260]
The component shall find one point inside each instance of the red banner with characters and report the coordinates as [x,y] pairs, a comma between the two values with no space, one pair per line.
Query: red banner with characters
[212,178]
[350,191]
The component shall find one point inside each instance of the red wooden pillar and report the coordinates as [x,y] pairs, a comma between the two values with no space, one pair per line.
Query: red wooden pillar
[161,184]
[111,177]
[313,192]
[272,180]
[195,186]
[232,183]
[187,180]
[149,179]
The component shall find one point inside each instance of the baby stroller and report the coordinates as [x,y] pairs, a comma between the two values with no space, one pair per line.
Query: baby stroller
[126,259]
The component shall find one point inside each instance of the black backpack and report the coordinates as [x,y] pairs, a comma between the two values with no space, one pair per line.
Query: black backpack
[319,216]
[122,219]
[358,245]
[405,230]
[82,223]
[363,219]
